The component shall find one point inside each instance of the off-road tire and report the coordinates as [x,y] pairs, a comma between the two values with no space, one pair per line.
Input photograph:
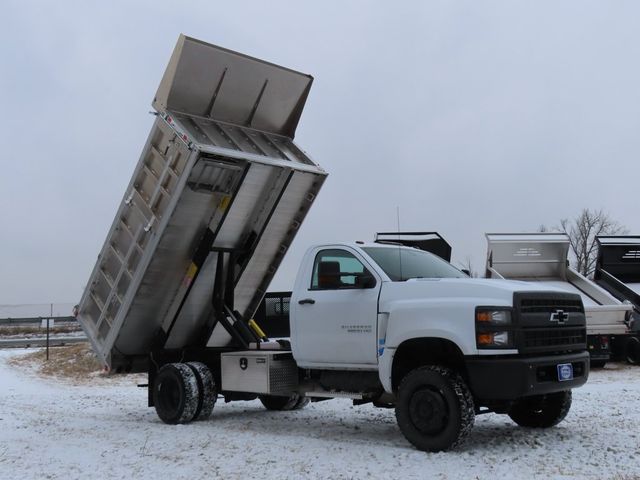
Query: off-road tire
[541,411]
[208,393]
[279,403]
[434,409]
[175,393]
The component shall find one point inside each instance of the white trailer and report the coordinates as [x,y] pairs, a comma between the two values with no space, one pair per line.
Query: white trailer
[543,258]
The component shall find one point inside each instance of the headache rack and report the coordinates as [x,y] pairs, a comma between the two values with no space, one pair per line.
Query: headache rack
[215,200]
[431,242]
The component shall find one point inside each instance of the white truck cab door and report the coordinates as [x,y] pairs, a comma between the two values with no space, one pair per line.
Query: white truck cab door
[336,312]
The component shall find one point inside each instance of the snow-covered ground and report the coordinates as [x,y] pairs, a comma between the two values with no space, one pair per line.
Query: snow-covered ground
[102,429]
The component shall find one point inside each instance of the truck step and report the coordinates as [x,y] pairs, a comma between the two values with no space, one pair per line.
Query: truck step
[328,394]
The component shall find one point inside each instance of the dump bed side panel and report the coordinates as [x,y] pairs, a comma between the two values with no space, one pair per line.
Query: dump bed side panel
[146,207]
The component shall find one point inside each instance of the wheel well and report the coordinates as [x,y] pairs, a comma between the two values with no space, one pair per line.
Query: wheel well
[425,351]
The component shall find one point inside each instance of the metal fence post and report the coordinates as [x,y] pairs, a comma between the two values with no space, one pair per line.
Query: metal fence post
[48,321]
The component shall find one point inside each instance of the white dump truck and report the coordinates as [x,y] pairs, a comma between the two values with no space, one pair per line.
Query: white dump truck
[618,272]
[215,200]
[543,258]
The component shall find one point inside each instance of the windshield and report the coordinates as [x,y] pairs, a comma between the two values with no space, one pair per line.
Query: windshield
[401,263]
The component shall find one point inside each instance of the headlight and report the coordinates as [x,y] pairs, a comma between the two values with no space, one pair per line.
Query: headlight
[493,317]
[493,328]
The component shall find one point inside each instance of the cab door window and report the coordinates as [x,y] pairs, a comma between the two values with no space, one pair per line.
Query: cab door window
[335,269]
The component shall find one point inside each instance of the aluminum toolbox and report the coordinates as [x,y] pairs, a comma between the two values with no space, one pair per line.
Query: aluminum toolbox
[256,371]
[219,169]
[543,258]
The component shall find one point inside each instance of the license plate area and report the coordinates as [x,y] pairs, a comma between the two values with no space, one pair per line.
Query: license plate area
[565,372]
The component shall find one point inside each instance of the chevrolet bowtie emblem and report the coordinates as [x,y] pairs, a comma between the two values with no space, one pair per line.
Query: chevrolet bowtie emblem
[559,317]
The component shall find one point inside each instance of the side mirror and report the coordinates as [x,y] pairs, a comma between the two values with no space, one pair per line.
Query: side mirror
[365,280]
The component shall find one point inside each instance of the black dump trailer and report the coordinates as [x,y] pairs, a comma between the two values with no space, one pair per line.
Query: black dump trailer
[618,272]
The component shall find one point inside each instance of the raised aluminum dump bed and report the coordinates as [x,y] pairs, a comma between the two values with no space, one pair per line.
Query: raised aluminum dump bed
[543,258]
[618,267]
[216,198]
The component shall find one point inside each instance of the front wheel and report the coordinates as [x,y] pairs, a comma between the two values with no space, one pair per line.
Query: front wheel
[434,409]
[541,411]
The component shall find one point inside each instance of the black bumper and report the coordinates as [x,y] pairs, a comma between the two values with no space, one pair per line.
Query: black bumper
[511,377]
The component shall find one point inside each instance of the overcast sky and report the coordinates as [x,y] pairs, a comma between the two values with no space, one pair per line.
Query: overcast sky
[469,116]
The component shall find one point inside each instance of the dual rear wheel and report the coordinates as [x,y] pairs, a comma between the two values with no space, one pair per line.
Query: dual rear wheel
[183,392]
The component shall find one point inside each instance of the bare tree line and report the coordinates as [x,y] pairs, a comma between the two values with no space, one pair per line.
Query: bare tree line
[582,232]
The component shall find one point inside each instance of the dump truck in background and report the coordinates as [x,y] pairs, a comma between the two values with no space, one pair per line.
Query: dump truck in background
[215,200]
[618,272]
[543,258]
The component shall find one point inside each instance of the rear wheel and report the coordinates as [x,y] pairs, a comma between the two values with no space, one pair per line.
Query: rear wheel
[175,393]
[541,411]
[276,402]
[208,393]
[434,409]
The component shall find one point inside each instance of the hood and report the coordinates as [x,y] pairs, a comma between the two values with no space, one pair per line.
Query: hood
[488,291]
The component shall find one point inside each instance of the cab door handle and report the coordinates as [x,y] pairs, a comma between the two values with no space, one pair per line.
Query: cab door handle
[304,301]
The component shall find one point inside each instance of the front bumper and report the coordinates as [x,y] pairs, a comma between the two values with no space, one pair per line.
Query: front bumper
[512,377]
